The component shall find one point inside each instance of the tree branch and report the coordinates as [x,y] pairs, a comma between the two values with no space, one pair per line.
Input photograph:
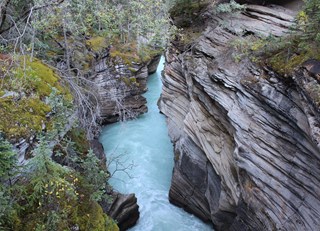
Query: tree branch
[3,12]
[27,13]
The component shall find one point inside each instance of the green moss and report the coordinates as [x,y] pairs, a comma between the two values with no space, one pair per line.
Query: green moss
[97,43]
[25,113]
[88,214]
[132,81]
[258,45]
[34,78]
[248,47]
[91,217]
[111,224]
[286,60]
[129,53]
[126,81]
[147,53]
[133,70]
[21,118]
[284,54]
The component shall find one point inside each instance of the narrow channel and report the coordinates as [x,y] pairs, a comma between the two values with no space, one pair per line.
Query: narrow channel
[145,143]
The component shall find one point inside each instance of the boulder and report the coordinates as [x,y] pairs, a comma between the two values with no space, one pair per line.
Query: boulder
[122,208]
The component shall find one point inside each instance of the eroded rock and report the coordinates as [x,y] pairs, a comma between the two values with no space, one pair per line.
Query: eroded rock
[247,154]
[123,209]
[120,87]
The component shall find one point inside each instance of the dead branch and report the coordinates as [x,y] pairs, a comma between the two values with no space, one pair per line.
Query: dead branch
[120,162]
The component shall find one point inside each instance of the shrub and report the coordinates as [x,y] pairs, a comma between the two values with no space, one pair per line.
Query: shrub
[232,6]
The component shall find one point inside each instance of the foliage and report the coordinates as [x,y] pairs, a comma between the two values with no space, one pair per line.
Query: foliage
[51,193]
[143,21]
[97,43]
[186,8]
[52,189]
[7,164]
[61,112]
[75,33]
[284,54]
[302,44]
[250,47]
[93,173]
[33,77]
[232,6]
[129,53]
[22,118]
[49,196]
[44,25]
[94,176]
[48,178]
[7,160]
[309,21]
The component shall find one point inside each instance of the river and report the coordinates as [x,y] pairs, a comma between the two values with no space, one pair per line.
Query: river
[144,145]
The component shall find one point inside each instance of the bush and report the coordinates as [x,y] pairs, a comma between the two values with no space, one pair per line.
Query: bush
[229,7]
[7,164]
[309,21]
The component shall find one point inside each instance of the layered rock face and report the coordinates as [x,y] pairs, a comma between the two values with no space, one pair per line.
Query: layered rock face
[247,142]
[120,87]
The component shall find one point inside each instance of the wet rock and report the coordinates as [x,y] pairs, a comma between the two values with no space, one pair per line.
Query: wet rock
[153,64]
[123,209]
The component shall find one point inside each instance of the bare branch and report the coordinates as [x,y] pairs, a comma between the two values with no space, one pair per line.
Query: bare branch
[120,164]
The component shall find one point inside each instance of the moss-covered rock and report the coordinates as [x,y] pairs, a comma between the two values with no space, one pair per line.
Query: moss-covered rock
[97,43]
[91,217]
[35,78]
[24,111]
[130,54]
[284,62]
[21,118]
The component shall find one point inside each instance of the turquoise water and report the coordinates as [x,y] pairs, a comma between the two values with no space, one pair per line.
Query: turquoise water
[144,145]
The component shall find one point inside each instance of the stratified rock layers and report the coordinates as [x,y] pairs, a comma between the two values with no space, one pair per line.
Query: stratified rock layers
[247,144]
[120,87]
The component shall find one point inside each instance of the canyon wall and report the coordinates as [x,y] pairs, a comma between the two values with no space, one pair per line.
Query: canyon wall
[247,141]
[120,87]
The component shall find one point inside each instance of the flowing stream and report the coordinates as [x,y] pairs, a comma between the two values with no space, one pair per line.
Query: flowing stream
[144,143]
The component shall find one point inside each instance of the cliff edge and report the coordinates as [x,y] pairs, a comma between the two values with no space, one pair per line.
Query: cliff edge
[247,144]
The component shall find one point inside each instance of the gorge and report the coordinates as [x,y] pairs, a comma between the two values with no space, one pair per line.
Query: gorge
[142,155]
[228,132]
